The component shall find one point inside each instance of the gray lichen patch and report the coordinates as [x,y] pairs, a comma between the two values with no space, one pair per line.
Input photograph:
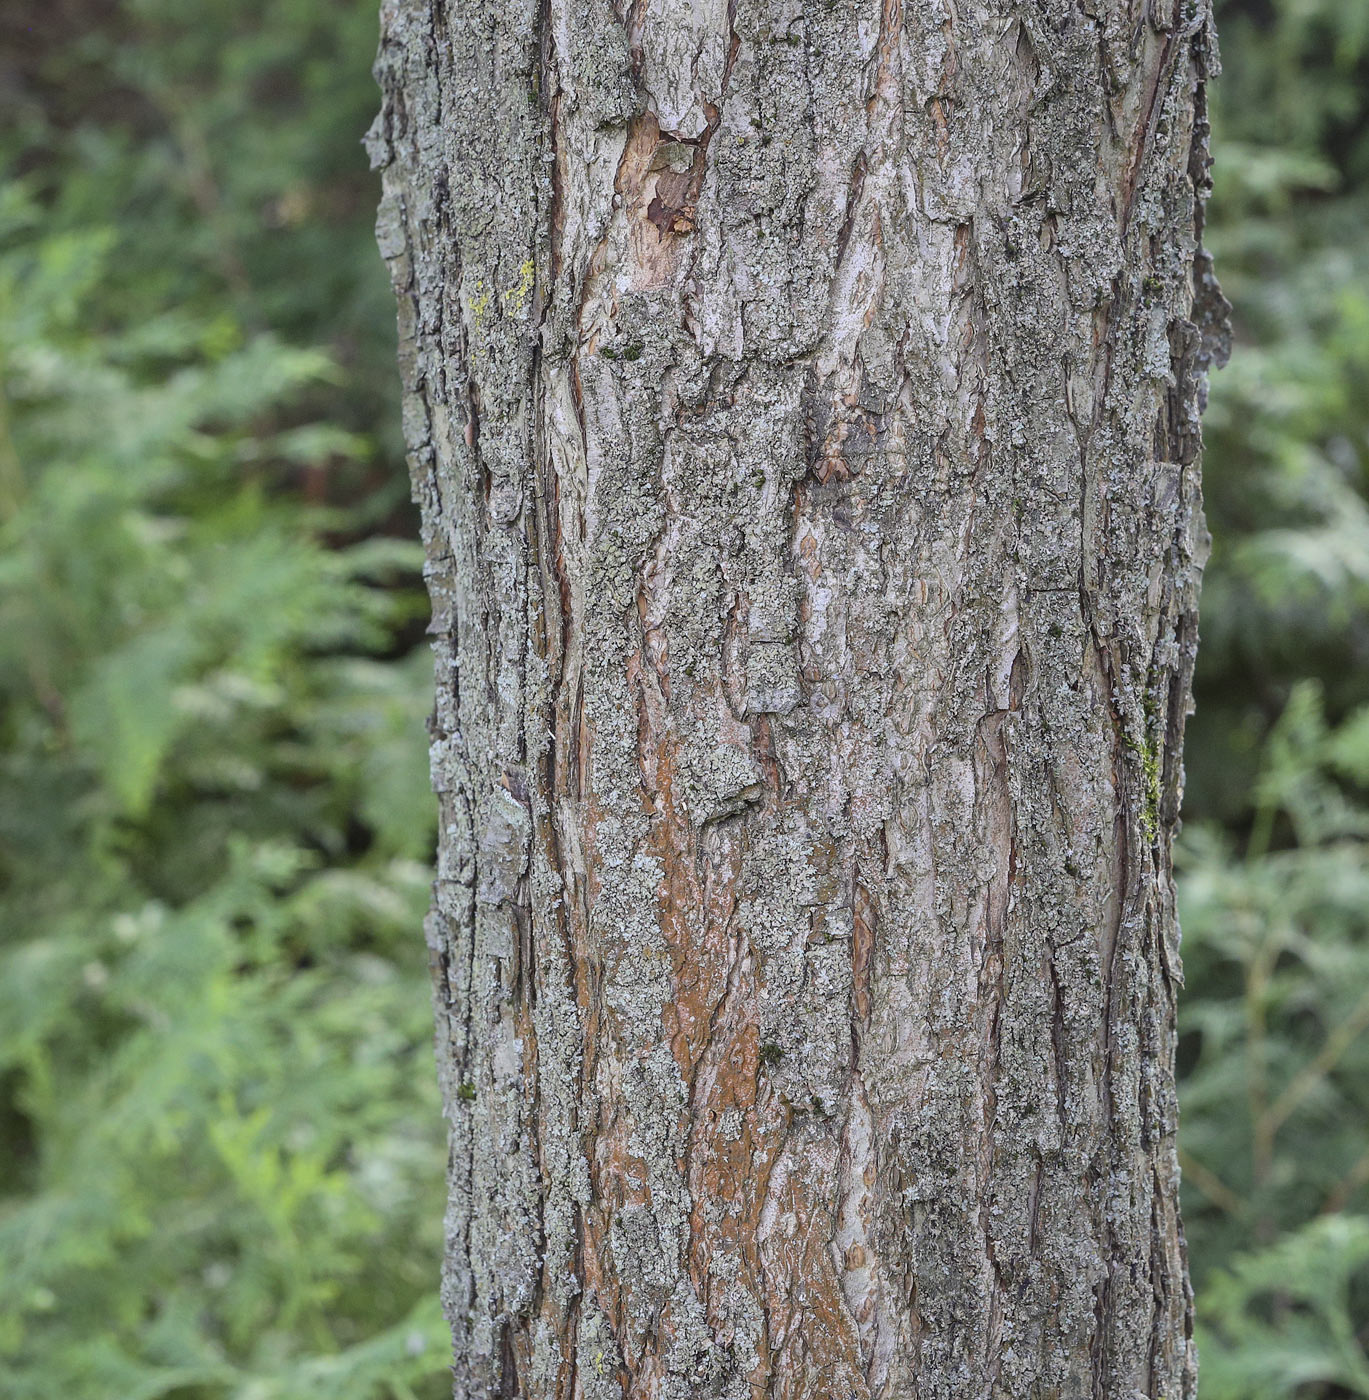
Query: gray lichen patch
[772,679]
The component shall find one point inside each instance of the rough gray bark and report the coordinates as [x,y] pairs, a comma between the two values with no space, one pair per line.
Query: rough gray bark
[802,398]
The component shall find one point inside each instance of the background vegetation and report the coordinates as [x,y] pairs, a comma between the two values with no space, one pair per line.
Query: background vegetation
[220,1148]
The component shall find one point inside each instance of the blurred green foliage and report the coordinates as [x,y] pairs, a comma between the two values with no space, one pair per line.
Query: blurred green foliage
[1274,864]
[1275,1104]
[220,1141]
[220,1145]
[1287,427]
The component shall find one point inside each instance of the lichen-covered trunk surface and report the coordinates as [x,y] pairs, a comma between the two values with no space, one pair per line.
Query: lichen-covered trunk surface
[802,400]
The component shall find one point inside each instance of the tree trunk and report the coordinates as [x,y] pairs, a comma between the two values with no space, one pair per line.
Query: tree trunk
[802,400]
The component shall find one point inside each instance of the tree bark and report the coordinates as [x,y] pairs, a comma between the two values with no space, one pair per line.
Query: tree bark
[802,399]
